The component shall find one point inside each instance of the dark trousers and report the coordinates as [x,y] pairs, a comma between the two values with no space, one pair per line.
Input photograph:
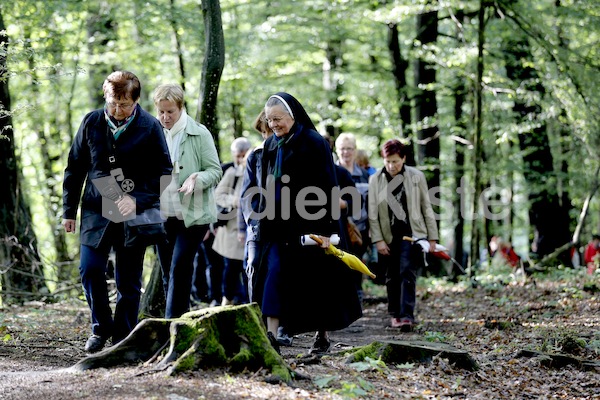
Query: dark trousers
[215,270]
[272,296]
[128,278]
[235,283]
[401,278]
[200,281]
[252,255]
[177,263]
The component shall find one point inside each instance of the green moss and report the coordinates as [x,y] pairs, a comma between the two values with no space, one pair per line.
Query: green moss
[211,349]
[242,359]
[282,372]
[208,338]
[185,363]
[186,335]
[372,350]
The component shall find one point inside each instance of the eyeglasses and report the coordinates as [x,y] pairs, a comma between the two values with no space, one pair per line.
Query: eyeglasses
[348,149]
[122,106]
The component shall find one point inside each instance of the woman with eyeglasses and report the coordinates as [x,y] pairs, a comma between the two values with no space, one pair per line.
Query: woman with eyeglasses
[120,154]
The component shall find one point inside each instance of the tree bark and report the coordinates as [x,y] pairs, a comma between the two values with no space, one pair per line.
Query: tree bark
[425,100]
[177,40]
[428,146]
[399,68]
[51,149]
[459,157]
[22,277]
[333,86]
[101,31]
[407,351]
[212,68]
[153,303]
[477,142]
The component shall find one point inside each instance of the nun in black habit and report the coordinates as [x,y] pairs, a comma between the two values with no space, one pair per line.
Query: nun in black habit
[300,287]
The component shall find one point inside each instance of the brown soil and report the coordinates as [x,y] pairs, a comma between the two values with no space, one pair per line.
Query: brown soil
[39,341]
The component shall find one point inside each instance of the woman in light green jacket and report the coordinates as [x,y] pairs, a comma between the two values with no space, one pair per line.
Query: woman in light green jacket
[188,202]
[399,206]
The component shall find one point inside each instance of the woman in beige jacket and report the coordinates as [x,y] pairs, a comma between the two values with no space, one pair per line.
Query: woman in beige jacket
[399,206]
[227,242]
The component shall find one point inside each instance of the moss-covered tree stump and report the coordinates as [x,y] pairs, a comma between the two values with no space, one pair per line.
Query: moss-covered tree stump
[233,337]
[400,352]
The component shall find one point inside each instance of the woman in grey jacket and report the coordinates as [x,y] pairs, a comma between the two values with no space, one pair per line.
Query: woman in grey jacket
[399,206]
[188,202]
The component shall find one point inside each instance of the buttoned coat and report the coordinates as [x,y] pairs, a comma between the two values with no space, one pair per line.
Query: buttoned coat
[142,154]
[198,155]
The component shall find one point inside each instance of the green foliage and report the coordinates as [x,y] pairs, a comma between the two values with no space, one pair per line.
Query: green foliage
[334,57]
[435,337]
[352,390]
[324,381]
[7,337]
[564,341]
[345,389]
[370,364]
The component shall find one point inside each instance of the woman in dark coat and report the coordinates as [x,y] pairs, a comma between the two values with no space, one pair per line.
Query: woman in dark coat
[304,289]
[121,155]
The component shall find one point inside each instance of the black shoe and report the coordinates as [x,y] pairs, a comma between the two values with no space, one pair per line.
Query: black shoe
[320,346]
[283,338]
[95,343]
[273,342]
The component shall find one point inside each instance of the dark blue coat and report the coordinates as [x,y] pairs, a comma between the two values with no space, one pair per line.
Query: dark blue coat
[307,162]
[141,152]
[319,290]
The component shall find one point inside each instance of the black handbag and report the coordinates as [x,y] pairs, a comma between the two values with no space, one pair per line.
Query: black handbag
[146,229]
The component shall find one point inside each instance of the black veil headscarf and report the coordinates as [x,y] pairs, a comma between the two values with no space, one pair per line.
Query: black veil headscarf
[295,109]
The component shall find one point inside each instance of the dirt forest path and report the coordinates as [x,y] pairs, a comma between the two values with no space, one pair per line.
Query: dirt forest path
[492,322]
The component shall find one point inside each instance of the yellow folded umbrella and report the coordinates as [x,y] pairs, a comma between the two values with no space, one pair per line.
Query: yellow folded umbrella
[350,260]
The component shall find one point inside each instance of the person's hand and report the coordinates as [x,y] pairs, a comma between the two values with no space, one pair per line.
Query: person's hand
[126,205]
[326,241]
[189,185]
[241,237]
[382,248]
[432,244]
[69,225]
[343,204]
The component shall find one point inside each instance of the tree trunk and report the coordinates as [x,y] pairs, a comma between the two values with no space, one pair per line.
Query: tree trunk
[333,86]
[153,303]
[477,142]
[548,217]
[51,149]
[230,336]
[426,113]
[212,67]
[459,160]
[425,100]
[177,40]
[101,30]
[399,68]
[22,277]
